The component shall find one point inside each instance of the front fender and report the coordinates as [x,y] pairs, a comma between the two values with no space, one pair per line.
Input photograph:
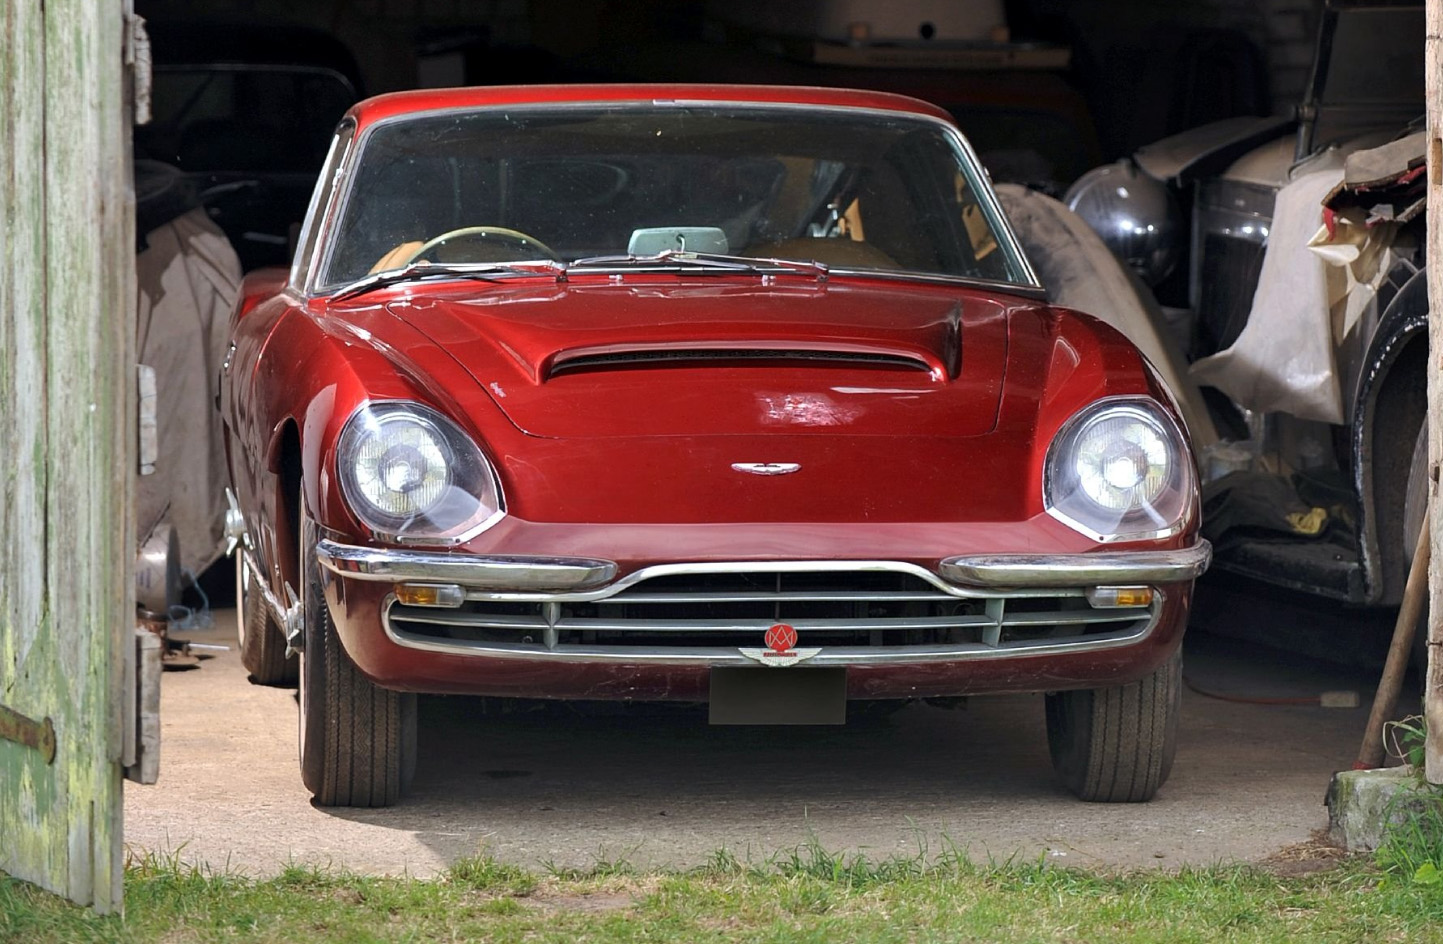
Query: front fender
[1060,361]
[1207,150]
[1389,404]
[293,391]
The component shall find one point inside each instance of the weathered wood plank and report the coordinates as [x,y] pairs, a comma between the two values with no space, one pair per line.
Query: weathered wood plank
[27,793]
[1433,689]
[66,350]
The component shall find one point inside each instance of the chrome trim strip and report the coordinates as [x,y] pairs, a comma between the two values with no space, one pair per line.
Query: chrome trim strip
[974,171]
[272,602]
[401,565]
[525,574]
[429,616]
[1002,571]
[724,656]
[576,580]
[767,468]
[818,596]
[641,625]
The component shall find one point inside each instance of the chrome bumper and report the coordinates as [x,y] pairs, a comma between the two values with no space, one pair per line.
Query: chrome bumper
[1002,571]
[519,574]
[994,598]
[579,578]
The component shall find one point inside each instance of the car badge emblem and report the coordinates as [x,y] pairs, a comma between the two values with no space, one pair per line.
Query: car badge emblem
[781,651]
[767,468]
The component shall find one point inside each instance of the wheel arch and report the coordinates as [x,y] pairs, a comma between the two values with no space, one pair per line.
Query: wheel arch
[287,463]
[1391,402]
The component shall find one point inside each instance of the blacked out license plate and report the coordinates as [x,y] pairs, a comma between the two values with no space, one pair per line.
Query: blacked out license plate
[778,696]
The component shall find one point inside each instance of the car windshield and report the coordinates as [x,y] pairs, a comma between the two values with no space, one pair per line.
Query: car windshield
[1376,57]
[851,189]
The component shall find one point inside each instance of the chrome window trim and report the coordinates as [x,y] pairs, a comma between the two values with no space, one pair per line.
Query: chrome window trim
[315,229]
[980,179]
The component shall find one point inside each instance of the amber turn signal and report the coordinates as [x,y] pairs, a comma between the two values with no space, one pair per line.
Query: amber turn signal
[1119,596]
[430,594]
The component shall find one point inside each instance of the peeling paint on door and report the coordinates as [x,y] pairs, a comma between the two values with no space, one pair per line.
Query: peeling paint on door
[67,342]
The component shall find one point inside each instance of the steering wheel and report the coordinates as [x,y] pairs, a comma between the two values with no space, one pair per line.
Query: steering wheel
[490,237]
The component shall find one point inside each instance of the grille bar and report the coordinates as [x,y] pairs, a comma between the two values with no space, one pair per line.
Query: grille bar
[773,596]
[689,626]
[829,656]
[1076,617]
[407,615]
[711,616]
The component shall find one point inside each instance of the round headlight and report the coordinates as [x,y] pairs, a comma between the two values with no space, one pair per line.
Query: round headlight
[1119,470]
[410,474]
[1134,214]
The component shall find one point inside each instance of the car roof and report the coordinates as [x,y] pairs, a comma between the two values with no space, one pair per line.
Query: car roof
[393,104]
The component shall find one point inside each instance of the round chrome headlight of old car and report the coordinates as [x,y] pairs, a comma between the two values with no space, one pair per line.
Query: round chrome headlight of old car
[411,475]
[1119,470]
[1134,214]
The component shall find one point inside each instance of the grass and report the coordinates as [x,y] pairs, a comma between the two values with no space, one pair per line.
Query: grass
[1412,845]
[805,895]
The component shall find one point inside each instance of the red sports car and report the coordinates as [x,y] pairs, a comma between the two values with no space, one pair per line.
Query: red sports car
[735,395]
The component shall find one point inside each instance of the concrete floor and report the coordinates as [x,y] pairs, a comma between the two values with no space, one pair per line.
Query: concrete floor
[656,785]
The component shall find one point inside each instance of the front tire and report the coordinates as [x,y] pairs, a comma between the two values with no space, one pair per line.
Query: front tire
[262,644]
[1116,745]
[357,740]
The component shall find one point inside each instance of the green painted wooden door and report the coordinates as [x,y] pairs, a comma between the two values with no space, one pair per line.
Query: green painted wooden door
[67,435]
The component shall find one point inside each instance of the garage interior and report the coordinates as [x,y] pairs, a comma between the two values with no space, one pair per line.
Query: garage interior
[1083,84]
[1055,88]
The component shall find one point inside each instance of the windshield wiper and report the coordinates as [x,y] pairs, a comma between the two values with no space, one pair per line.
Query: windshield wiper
[417,271]
[704,261]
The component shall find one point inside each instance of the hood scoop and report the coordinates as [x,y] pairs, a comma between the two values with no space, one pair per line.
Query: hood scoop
[690,361]
[661,356]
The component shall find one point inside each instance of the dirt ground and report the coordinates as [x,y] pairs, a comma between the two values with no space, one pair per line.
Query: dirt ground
[656,785]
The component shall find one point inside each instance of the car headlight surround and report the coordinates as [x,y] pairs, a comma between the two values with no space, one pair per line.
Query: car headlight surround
[1119,470]
[1135,215]
[413,476]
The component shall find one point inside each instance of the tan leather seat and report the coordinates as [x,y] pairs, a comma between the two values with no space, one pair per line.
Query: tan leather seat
[829,251]
[397,257]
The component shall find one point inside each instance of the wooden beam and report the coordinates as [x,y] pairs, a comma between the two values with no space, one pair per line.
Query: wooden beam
[1433,687]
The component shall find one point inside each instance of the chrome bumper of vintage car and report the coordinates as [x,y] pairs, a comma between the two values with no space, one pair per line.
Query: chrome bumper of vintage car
[1074,570]
[850,612]
[517,574]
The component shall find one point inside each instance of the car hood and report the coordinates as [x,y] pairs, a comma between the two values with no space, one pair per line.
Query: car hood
[682,359]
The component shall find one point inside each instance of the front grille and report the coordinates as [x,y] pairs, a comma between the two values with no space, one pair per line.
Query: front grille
[1229,277]
[1231,222]
[868,610]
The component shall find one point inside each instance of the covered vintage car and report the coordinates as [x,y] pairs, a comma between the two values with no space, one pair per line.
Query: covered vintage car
[246,112]
[1292,250]
[735,395]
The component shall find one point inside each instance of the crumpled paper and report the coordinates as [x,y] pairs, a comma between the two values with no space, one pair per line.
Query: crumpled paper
[1284,360]
[1321,273]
